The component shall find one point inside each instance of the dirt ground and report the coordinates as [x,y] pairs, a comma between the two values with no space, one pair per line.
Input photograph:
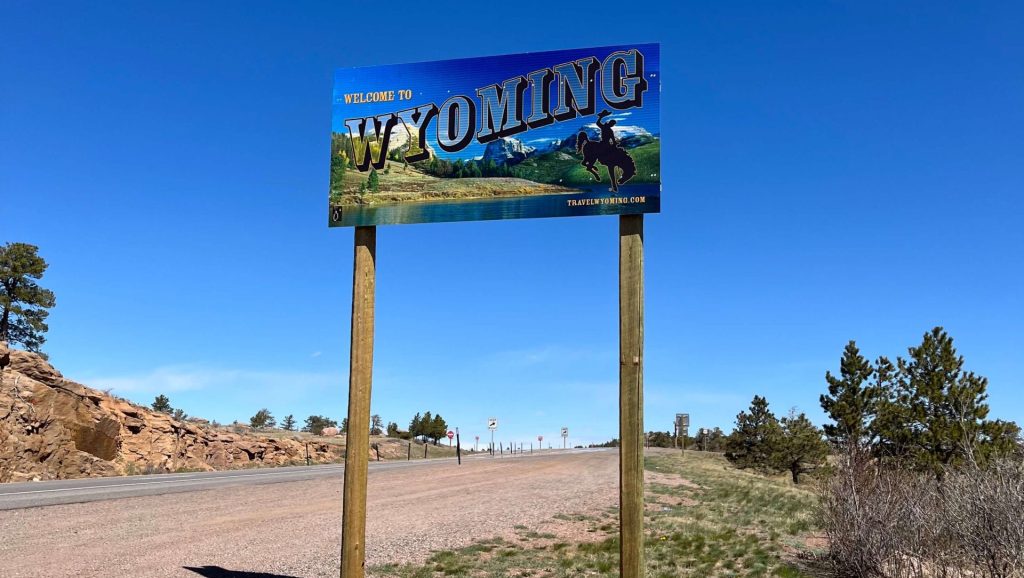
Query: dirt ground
[293,529]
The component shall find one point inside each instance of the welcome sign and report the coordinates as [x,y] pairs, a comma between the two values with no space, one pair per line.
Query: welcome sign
[544,134]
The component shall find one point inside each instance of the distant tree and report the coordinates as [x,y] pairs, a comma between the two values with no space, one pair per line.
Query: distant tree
[438,429]
[339,162]
[415,425]
[392,429]
[315,424]
[373,181]
[851,403]
[289,423]
[179,414]
[262,419]
[659,439]
[426,428]
[798,446]
[162,404]
[750,444]
[344,425]
[376,425]
[23,303]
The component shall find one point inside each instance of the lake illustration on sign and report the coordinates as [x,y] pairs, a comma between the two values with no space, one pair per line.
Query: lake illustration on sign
[544,134]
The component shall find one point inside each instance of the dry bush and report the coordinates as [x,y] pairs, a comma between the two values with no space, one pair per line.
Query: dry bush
[984,514]
[887,522]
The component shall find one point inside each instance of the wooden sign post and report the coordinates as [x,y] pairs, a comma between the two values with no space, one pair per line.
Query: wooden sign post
[631,396]
[353,516]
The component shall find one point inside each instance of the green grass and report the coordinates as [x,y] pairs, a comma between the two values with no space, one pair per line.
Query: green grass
[726,524]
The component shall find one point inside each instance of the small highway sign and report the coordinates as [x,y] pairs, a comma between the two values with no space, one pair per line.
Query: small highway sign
[565,432]
[492,423]
[451,434]
[540,438]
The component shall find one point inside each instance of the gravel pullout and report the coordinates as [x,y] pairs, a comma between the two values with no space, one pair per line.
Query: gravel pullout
[292,529]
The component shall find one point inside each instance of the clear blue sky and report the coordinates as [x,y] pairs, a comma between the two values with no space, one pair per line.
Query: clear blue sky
[832,170]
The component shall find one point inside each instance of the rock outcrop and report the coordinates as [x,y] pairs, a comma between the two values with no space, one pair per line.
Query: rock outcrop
[55,428]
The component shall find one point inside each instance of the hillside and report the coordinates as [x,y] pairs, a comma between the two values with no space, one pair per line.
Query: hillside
[563,167]
[55,428]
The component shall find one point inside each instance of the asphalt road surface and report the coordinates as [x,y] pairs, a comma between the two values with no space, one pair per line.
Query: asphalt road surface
[285,522]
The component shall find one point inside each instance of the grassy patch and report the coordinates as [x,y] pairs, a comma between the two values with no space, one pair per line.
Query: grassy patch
[704,519]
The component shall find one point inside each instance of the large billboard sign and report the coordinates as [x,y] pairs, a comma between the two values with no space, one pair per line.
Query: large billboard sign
[542,134]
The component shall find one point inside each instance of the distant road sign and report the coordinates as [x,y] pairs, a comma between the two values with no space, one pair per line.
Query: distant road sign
[682,420]
[451,434]
[492,424]
[565,432]
[540,438]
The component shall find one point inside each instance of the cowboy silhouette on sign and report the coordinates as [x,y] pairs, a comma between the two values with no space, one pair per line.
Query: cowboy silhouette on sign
[606,151]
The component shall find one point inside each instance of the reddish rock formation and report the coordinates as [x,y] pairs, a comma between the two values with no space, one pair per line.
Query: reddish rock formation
[54,428]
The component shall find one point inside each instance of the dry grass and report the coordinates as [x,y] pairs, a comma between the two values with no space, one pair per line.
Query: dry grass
[704,518]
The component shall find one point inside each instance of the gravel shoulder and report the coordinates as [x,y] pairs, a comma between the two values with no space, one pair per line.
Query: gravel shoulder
[293,529]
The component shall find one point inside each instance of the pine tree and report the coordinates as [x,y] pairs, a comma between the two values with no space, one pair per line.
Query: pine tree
[749,445]
[426,427]
[344,425]
[23,303]
[315,424]
[262,419]
[373,181]
[798,447]
[289,423]
[438,429]
[179,414]
[942,407]
[376,425]
[162,404]
[392,430]
[415,426]
[851,402]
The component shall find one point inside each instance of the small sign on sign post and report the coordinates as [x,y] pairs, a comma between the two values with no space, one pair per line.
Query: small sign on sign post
[451,435]
[565,436]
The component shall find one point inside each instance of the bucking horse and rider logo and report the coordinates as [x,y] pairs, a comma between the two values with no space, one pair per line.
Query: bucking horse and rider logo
[606,151]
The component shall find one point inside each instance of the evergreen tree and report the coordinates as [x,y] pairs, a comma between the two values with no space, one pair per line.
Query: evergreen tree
[344,425]
[426,427]
[798,447]
[750,444]
[262,419]
[415,425]
[162,404]
[376,425]
[179,414]
[373,181]
[23,303]
[315,424]
[289,423]
[851,402]
[392,430]
[940,408]
[438,429]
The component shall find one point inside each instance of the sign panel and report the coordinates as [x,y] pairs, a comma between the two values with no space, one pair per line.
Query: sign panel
[492,424]
[451,434]
[682,420]
[565,432]
[542,134]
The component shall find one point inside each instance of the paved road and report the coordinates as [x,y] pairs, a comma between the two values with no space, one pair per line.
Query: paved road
[275,525]
[52,493]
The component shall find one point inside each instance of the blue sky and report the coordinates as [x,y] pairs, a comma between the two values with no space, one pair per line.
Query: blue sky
[831,171]
[435,82]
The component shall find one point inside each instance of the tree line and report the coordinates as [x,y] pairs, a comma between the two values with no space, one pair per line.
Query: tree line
[924,412]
